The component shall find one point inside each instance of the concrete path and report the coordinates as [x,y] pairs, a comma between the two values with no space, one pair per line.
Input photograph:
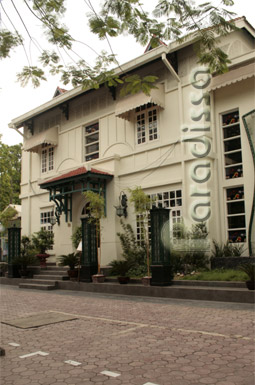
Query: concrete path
[119,340]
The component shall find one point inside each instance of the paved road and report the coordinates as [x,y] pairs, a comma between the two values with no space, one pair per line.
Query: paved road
[121,340]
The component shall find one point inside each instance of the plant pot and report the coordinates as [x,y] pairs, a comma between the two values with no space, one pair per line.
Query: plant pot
[23,273]
[42,257]
[123,280]
[98,278]
[73,274]
[250,285]
[146,281]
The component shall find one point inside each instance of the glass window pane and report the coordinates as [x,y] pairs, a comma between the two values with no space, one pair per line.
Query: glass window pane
[231,145]
[235,193]
[235,207]
[92,138]
[237,236]
[236,222]
[92,148]
[92,128]
[233,158]
[230,118]
[232,131]
[234,172]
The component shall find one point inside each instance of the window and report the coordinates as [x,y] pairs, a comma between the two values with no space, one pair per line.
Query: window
[232,145]
[146,123]
[47,159]
[92,141]
[45,217]
[168,199]
[236,214]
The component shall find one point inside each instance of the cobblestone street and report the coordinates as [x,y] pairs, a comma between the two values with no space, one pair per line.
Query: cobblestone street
[119,340]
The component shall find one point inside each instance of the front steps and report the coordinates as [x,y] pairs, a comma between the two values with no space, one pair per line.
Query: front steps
[47,279]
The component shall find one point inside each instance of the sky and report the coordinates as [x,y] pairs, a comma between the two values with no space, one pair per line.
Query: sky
[16,100]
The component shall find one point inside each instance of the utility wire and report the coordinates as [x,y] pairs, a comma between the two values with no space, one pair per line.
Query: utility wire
[16,32]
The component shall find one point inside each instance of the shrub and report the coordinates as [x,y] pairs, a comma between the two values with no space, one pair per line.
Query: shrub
[119,268]
[218,275]
[76,237]
[195,261]
[249,269]
[70,260]
[132,252]
[42,240]
[226,250]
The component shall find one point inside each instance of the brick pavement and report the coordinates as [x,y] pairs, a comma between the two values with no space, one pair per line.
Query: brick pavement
[140,341]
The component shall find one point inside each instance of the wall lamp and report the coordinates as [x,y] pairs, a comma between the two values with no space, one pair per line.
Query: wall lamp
[53,221]
[121,210]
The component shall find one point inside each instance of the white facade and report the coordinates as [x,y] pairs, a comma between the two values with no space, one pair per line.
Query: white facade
[150,146]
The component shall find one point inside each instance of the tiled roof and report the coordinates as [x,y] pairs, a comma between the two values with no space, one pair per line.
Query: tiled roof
[73,173]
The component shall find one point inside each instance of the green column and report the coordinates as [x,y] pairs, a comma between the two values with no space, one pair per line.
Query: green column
[14,235]
[161,270]
[89,250]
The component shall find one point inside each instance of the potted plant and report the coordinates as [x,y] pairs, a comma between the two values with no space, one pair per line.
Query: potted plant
[142,204]
[70,260]
[120,269]
[96,207]
[42,240]
[26,258]
[249,269]
[23,261]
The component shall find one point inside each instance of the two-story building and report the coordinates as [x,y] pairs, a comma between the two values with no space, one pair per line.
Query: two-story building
[186,145]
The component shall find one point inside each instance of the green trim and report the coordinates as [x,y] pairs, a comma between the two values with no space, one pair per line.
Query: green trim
[60,191]
[253,156]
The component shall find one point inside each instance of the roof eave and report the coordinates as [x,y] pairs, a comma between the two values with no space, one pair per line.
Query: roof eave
[127,67]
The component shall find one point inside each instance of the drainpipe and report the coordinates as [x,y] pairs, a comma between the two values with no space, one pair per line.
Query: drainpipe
[172,71]
[181,118]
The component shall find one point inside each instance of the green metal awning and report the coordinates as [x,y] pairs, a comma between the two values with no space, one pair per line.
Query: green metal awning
[63,186]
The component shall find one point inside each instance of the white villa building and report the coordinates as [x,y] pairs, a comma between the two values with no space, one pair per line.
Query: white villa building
[186,144]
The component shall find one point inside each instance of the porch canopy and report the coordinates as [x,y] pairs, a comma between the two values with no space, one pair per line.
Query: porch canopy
[63,186]
[127,104]
[49,136]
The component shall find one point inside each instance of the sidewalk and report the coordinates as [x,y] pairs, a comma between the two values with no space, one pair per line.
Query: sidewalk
[117,340]
[203,291]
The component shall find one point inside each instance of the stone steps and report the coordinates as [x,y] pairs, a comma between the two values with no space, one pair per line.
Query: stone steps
[37,286]
[41,281]
[51,277]
[51,272]
[46,279]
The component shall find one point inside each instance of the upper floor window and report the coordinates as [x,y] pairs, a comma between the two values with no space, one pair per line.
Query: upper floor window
[146,123]
[92,141]
[232,145]
[47,159]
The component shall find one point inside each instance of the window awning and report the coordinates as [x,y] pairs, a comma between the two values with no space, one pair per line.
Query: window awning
[129,103]
[49,136]
[233,76]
